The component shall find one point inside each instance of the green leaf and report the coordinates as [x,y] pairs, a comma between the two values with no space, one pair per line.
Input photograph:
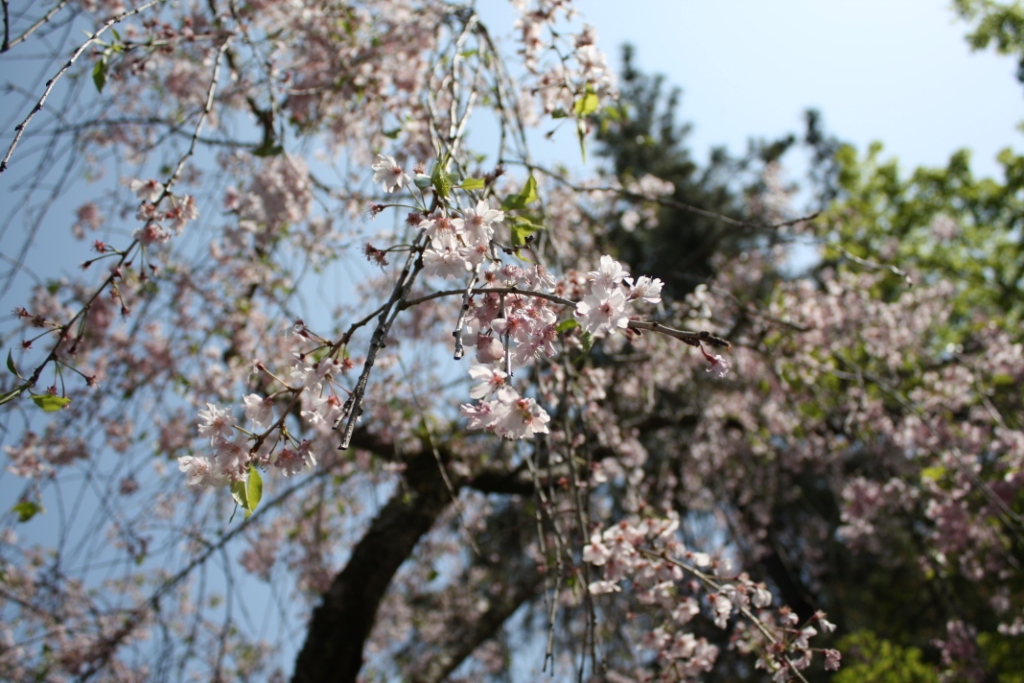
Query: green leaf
[566,325]
[254,490]
[26,510]
[99,73]
[473,184]
[528,195]
[586,105]
[393,133]
[1003,380]
[522,228]
[50,403]
[559,114]
[268,149]
[238,492]
[11,366]
[612,113]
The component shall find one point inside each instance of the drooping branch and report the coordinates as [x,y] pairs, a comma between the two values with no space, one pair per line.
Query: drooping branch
[465,635]
[19,130]
[333,650]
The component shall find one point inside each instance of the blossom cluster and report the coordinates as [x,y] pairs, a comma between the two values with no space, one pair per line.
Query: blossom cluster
[236,449]
[662,572]
[511,328]
[609,290]
[182,210]
[459,245]
[517,328]
[503,411]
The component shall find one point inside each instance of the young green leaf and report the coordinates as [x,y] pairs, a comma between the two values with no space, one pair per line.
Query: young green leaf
[472,184]
[522,228]
[13,394]
[268,149]
[581,133]
[50,403]
[11,366]
[588,342]
[526,196]
[566,325]
[254,490]
[441,181]
[586,105]
[238,492]
[99,73]
[26,510]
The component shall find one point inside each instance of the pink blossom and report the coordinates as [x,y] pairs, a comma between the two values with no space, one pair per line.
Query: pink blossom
[259,410]
[608,274]
[198,471]
[491,379]
[646,289]
[602,587]
[476,226]
[181,212]
[595,552]
[389,174]
[522,417]
[217,423]
[146,190]
[762,597]
[719,365]
[291,462]
[489,349]
[481,415]
[603,311]
[445,257]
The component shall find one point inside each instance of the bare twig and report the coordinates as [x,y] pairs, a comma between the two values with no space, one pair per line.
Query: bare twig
[8,43]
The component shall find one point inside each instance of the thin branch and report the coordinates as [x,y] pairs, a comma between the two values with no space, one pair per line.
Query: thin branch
[460,326]
[871,265]
[7,28]
[8,43]
[663,201]
[353,406]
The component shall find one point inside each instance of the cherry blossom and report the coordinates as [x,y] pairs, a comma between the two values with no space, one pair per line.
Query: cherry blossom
[603,311]
[389,174]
